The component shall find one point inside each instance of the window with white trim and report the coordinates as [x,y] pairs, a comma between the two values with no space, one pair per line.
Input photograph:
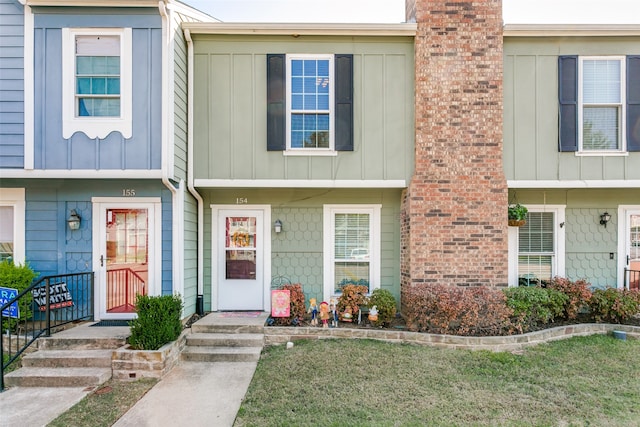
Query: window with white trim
[12,206]
[352,247]
[540,252]
[310,96]
[97,74]
[602,104]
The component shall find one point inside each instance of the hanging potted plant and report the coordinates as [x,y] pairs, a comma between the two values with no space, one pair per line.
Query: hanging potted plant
[517,215]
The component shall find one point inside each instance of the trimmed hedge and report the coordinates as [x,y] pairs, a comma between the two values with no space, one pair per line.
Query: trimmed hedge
[158,321]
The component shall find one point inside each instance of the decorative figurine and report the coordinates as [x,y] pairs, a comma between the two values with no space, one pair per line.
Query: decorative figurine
[324,314]
[373,314]
[347,316]
[334,312]
[313,309]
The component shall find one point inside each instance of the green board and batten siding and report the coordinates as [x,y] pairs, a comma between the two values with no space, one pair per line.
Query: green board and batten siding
[230,109]
[531,111]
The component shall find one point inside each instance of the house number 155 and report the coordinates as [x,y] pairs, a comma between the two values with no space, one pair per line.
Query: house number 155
[128,192]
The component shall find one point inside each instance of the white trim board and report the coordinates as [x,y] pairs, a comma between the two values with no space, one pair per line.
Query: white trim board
[613,183]
[298,183]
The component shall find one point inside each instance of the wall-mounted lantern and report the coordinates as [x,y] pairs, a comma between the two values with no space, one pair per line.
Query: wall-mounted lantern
[74,220]
[277,226]
[604,219]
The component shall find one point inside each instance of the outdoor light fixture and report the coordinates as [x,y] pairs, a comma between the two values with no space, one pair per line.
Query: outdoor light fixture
[73,220]
[604,219]
[277,226]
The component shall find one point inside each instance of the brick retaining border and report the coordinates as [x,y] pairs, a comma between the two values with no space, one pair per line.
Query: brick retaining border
[274,335]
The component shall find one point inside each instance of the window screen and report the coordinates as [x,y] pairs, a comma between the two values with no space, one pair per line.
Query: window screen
[98,75]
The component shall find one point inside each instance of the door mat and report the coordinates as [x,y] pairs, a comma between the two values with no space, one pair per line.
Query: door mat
[112,323]
[240,313]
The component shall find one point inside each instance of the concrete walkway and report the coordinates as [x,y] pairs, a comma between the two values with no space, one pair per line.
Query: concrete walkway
[193,394]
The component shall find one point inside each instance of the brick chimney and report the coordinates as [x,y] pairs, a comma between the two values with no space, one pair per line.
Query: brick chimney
[454,226]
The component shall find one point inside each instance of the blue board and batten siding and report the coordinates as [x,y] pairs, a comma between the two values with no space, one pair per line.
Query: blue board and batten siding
[11,84]
[143,149]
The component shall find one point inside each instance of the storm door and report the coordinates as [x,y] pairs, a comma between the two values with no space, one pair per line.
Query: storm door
[126,257]
[240,238]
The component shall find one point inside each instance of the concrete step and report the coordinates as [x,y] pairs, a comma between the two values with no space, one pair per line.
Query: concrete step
[227,329]
[57,377]
[225,340]
[221,354]
[68,359]
[80,343]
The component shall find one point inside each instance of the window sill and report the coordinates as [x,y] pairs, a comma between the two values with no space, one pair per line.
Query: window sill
[310,153]
[602,153]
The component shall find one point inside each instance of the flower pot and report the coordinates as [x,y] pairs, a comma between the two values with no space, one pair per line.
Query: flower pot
[517,222]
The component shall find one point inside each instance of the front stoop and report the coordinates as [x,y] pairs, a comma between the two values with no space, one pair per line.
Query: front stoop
[224,341]
[62,365]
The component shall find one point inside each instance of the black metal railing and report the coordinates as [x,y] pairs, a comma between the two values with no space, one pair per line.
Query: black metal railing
[124,286]
[631,279]
[48,303]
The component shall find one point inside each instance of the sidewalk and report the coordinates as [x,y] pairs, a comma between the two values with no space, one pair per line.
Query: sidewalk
[193,394]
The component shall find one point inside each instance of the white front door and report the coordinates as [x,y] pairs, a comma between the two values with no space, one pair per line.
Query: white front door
[629,242]
[241,246]
[125,234]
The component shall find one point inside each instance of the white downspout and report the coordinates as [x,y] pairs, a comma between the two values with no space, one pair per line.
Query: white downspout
[27,51]
[177,239]
[190,186]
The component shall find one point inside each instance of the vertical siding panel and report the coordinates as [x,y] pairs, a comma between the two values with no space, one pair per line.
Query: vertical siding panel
[219,81]
[509,148]
[395,129]
[373,100]
[546,117]
[526,162]
[202,116]
[137,149]
[242,124]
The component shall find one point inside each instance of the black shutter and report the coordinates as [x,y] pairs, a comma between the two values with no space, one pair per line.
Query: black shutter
[344,102]
[276,102]
[568,103]
[633,103]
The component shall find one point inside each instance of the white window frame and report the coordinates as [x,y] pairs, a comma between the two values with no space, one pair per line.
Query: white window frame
[14,197]
[558,259]
[375,235]
[290,151]
[96,127]
[622,150]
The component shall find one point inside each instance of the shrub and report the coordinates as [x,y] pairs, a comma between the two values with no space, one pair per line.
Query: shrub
[614,305]
[578,294]
[385,304]
[17,277]
[297,307]
[352,297]
[158,321]
[442,309]
[534,305]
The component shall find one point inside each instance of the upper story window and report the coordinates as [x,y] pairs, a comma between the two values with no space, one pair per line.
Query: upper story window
[310,95]
[309,104]
[599,103]
[97,75]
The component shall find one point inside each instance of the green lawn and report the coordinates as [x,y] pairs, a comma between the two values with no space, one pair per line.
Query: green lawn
[582,381]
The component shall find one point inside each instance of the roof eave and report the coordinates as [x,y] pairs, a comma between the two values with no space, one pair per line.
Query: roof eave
[293,29]
[574,30]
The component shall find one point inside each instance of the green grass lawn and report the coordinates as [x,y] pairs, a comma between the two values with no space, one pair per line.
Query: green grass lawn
[583,381]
